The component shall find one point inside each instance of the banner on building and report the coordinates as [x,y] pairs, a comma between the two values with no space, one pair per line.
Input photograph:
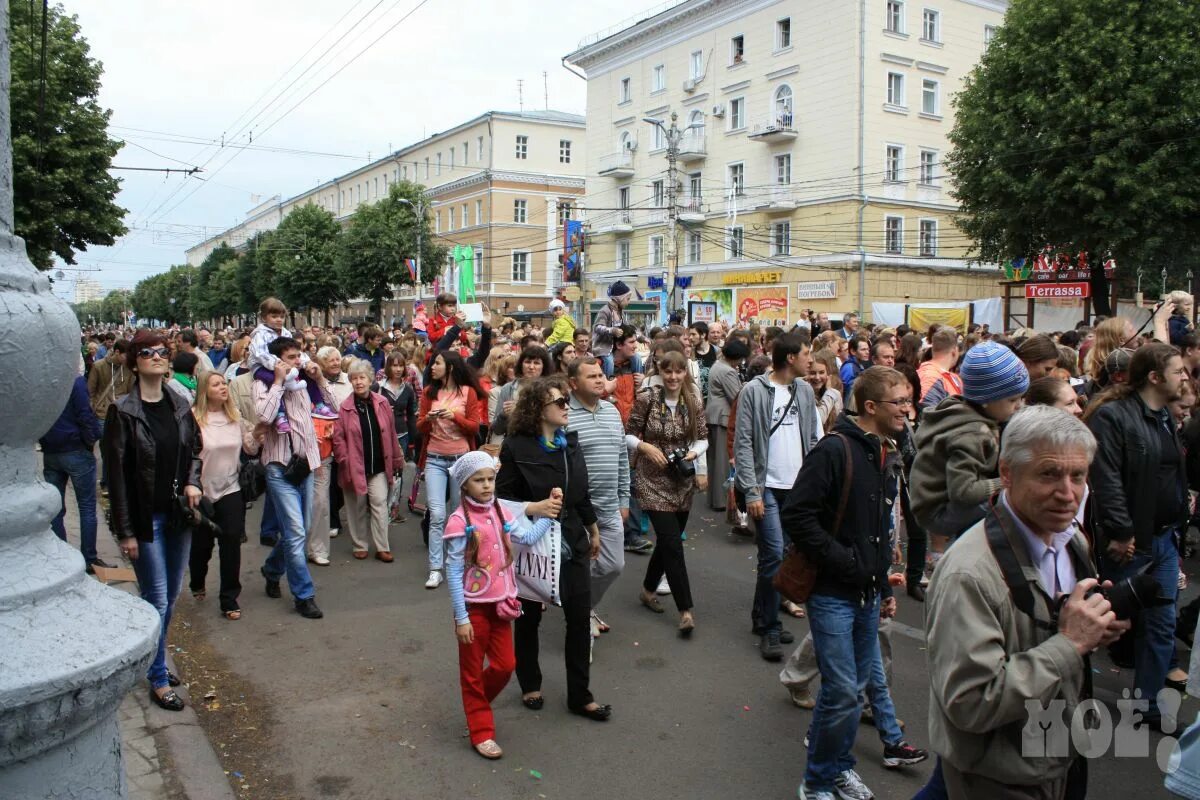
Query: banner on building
[921,317]
[766,305]
[572,257]
[701,312]
[816,290]
[722,298]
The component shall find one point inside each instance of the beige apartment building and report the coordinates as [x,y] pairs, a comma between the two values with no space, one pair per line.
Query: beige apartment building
[501,183]
[809,168]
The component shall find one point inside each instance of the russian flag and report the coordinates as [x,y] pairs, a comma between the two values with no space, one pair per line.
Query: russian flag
[412,268]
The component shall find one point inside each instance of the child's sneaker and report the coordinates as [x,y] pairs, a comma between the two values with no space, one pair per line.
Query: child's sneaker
[323,411]
[281,423]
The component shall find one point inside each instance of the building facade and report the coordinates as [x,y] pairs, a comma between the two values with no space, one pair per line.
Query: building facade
[87,290]
[500,184]
[809,161]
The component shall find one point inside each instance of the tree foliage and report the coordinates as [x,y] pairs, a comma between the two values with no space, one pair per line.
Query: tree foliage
[204,299]
[152,296]
[248,265]
[63,194]
[114,305]
[304,248]
[1078,129]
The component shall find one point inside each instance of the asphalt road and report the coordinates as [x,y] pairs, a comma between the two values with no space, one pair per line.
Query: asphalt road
[365,703]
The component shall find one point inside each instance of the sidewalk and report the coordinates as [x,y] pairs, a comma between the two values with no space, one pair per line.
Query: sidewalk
[167,756]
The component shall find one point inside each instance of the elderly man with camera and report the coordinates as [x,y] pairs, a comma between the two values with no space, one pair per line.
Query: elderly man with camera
[1012,616]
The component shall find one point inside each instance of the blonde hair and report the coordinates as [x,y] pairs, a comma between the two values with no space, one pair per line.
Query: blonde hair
[1110,335]
[200,409]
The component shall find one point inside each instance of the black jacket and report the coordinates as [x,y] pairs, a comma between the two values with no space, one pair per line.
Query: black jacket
[852,563]
[1124,476]
[404,406]
[129,454]
[528,473]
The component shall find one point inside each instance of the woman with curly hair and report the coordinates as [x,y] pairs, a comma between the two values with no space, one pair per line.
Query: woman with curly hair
[537,457]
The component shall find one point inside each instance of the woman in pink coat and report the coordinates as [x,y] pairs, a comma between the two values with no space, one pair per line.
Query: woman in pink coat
[369,458]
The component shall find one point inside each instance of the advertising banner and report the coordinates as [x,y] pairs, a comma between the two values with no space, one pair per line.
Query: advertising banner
[722,297]
[920,318]
[767,305]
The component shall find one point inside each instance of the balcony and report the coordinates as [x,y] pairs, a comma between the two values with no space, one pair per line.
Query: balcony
[693,147]
[781,198]
[778,128]
[656,216]
[615,222]
[617,165]
[691,210]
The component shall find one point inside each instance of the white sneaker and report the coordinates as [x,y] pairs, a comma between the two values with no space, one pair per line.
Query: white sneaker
[595,625]
[663,586]
[320,561]
[808,794]
[435,579]
[333,532]
[850,787]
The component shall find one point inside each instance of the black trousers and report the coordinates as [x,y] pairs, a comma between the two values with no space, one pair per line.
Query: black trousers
[231,518]
[575,589]
[668,556]
[336,499]
[918,542]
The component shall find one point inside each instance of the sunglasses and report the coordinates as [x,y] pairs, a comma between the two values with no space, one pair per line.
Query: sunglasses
[561,402]
[151,352]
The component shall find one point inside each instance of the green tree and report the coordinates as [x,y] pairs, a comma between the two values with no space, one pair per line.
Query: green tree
[149,299]
[165,296]
[1078,129]
[205,305]
[304,248]
[63,194]
[88,312]
[264,266]
[113,306]
[251,261]
[372,250]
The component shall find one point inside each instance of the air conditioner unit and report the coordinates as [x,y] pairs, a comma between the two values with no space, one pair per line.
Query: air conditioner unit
[718,110]
[689,85]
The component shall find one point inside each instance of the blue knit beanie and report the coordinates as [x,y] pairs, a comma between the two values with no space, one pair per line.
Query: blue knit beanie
[990,372]
[618,289]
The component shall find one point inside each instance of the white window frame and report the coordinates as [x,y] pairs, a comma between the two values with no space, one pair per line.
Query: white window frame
[738,185]
[783,34]
[696,65]
[931,236]
[404,172]
[479,149]
[893,16]
[478,212]
[626,95]
[893,172]
[426,167]
[658,78]
[521,211]
[895,96]
[466,152]
[783,169]
[522,147]
[437,222]
[564,212]
[452,157]
[781,245]
[695,186]
[928,86]
[527,268]
[439,163]
[888,233]
[656,251]
[622,254]
[658,196]
[737,42]
[450,215]
[931,33]
[927,172]
[466,220]
[989,33]
[783,104]
[623,197]
[737,114]
[735,243]
[658,139]
[564,151]
[694,248]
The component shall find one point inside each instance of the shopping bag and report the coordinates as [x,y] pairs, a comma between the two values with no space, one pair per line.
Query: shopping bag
[395,499]
[536,566]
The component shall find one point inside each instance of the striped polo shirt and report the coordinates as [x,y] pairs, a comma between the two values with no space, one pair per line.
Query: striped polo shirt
[602,440]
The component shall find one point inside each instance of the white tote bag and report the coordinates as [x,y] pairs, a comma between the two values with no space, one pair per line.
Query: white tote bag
[537,565]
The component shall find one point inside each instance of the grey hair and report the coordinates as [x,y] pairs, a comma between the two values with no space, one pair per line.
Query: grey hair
[361,366]
[327,351]
[1035,428]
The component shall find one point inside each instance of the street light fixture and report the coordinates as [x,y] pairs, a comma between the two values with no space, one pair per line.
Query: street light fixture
[418,209]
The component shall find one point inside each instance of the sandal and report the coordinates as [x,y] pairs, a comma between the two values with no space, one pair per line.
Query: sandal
[489,749]
[793,609]
[533,703]
[232,613]
[601,625]
[651,602]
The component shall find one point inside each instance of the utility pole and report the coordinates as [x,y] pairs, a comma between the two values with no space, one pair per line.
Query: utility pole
[674,138]
[419,209]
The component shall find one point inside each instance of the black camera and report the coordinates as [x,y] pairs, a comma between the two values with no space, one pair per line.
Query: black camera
[1131,595]
[677,462]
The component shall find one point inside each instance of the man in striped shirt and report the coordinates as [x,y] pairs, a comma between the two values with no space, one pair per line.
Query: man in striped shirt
[602,439]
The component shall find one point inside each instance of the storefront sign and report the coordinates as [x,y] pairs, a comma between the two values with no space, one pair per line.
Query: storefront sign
[766,306]
[701,312]
[816,290]
[764,276]
[1057,291]
[723,298]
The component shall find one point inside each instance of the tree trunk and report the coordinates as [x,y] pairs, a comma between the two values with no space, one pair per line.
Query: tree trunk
[1101,303]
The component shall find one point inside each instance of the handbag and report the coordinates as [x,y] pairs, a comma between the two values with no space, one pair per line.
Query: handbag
[252,479]
[536,566]
[509,608]
[797,574]
[297,470]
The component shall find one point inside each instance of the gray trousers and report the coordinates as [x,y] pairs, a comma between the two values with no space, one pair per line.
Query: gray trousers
[607,568]
[801,670]
[717,457]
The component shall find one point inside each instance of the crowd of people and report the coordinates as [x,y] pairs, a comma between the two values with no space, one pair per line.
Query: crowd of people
[1006,482]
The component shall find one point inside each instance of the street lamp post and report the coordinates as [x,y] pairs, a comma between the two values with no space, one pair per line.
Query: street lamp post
[419,209]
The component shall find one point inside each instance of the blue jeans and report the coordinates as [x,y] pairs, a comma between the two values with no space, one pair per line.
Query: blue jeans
[159,568]
[293,504]
[765,614]
[846,640]
[80,467]
[1154,640]
[935,789]
[437,480]
[269,528]
[103,466]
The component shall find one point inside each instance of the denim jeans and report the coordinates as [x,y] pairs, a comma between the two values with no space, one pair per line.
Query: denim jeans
[1154,642]
[845,636]
[80,467]
[764,616]
[293,504]
[159,568]
[103,466]
[637,524]
[269,528]
[437,480]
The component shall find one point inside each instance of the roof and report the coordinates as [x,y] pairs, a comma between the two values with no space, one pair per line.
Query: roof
[546,116]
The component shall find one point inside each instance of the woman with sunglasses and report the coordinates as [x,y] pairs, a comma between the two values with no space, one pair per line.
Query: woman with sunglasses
[537,456]
[152,446]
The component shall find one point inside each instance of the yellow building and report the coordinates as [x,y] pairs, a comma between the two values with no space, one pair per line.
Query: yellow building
[500,183]
[809,161]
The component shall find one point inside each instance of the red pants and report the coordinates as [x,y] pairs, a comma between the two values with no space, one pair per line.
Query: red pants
[493,638]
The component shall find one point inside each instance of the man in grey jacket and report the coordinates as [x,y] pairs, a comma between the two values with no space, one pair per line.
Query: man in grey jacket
[776,426]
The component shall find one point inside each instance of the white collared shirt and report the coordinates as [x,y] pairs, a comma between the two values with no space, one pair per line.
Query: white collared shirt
[1053,561]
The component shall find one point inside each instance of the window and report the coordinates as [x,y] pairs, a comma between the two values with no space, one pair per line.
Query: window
[520,210]
[479,149]
[656,194]
[895,89]
[893,163]
[696,122]
[465,221]
[659,79]
[564,151]
[656,251]
[989,33]
[466,151]
[625,96]
[928,167]
[894,16]
[695,248]
[659,141]
[737,113]
[783,33]
[376,182]
[450,218]
[893,234]
[623,254]
[783,106]
[783,169]
[929,97]
[931,26]
[695,188]
[451,158]
[426,166]
[439,163]
[520,266]
[781,239]
[478,212]
[623,197]
[564,213]
[385,183]
[696,71]
[404,172]
[522,147]
[928,238]
[737,178]
[625,142]
[737,49]
[437,222]
[735,242]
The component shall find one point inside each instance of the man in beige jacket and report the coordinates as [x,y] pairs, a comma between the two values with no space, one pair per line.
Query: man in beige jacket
[107,380]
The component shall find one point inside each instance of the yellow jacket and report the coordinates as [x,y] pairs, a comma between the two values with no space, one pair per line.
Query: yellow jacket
[564,330]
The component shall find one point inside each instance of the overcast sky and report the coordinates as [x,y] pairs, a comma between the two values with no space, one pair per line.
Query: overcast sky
[191,69]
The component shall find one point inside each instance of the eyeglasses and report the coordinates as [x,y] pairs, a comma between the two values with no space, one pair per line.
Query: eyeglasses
[561,402]
[151,352]
[905,403]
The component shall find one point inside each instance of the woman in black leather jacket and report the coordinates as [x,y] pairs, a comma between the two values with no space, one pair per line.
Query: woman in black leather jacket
[152,446]
[538,456]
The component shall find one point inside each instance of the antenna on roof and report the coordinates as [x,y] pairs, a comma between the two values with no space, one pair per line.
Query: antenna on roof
[521,94]
[546,88]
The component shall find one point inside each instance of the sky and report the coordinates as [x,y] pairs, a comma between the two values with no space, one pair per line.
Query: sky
[180,77]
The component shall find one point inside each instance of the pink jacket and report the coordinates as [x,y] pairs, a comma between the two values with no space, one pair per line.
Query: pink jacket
[348,444]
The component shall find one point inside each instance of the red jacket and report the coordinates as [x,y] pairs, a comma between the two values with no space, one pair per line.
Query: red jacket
[438,325]
[348,444]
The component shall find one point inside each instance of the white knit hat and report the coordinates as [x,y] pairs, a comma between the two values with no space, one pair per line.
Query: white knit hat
[556,303]
[469,464]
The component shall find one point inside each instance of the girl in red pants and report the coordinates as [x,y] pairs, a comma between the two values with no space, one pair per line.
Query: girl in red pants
[483,589]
